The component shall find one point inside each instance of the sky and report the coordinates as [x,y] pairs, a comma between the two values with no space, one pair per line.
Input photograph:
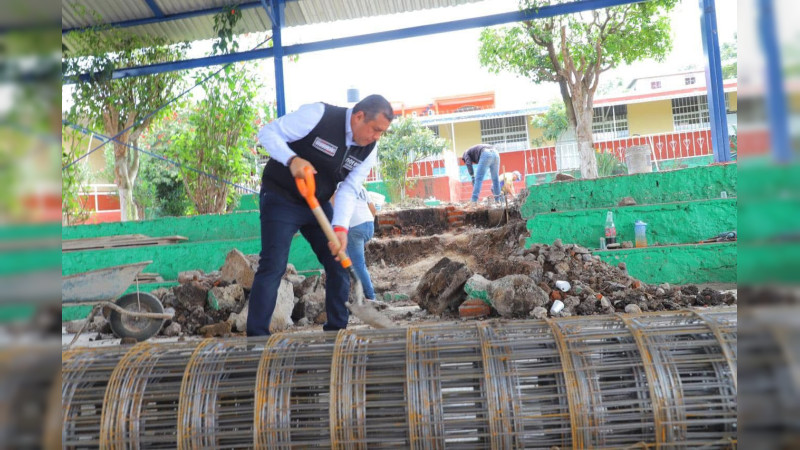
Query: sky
[417,70]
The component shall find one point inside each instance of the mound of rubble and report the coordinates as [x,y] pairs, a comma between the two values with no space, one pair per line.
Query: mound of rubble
[530,281]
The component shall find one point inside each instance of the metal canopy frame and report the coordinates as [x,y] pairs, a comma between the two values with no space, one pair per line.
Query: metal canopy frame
[275,11]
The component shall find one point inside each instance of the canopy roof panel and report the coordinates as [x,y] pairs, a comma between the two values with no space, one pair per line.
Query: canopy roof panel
[190,20]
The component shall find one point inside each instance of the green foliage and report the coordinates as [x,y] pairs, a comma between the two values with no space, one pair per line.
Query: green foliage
[608,164]
[73,210]
[405,142]
[214,131]
[113,105]
[160,191]
[573,50]
[729,54]
[553,124]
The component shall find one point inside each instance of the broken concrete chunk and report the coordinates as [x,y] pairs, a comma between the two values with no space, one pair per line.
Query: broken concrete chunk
[564,177]
[516,295]
[172,330]
[441,289]
[238,268]
[189,276]
[228,297]
[238,320]
[221,329]
[473,308]
[540,312]
[477,287]
[632,309]
[282,316]
[627,201]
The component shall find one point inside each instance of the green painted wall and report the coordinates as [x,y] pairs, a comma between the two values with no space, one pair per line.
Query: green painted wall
[207,227]
[678,264]
[647,188]
[380,188]
[248,202]
[169,260]
[670,223]
[769,263]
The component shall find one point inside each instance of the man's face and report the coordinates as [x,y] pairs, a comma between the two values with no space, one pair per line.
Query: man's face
[366,132]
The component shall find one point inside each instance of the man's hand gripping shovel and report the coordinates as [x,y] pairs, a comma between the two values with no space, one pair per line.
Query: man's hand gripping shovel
[367,313]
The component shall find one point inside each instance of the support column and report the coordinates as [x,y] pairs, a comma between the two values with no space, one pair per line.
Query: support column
[714,82]
[776,95]
[278,19]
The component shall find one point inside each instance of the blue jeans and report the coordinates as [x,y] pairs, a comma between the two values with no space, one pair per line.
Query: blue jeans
[280,220]
[357,238]
[490,160]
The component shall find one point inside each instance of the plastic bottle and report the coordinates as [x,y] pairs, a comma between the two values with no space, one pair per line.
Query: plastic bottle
[640,233]
[611,230]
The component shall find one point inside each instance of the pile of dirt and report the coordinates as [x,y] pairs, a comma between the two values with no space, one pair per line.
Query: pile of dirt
[584,283]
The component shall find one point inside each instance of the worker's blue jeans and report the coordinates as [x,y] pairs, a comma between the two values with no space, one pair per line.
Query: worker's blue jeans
[357,238]
[280,220]
[490,160]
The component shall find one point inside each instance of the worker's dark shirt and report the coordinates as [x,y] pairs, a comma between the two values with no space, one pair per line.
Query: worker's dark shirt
[473,155]
[326,149]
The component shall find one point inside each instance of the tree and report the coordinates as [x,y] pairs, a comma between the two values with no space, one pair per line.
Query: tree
[115,105]
[553,123]
[573,50]
[729,55]
[405,143]
[214,132]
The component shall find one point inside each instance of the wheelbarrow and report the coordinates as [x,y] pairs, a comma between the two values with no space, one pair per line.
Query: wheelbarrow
[137,315]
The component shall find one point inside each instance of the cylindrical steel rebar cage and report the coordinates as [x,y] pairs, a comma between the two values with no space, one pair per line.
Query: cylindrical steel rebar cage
[654,379]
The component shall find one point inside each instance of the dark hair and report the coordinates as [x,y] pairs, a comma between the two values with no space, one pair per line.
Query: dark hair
[372,105]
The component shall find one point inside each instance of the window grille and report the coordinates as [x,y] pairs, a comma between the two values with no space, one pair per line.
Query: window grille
[610,122]
[435,129]
[655,85]
[505,133]
[689,80]
[690,113]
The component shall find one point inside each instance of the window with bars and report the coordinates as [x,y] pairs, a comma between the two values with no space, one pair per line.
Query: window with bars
[435,129]
[690,113]
[610,122]
[505,133]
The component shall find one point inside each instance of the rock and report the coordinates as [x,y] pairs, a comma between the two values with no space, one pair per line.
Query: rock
[238,268]
[632,309]
[221,329]
[627,201]
[238,320]
[290,269]
[627,244]
[516,295]
[74,326]
[564,177]
[665,286]
[172,330]
[302,322]
[563,313]
[570,302]
[605,303]
[282,316]
[562,268]
[190,295]
[296,280]
[473,308]
[189,276]
[100,324]
[540,312]
[660,292]
[558,244]
[555,295]
[228,297]
[441,288]
[623,266]
[477,287]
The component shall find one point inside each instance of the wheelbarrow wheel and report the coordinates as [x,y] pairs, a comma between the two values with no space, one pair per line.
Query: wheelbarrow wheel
[139,328]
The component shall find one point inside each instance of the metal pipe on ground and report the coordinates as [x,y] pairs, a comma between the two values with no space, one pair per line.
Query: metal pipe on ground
[652,379]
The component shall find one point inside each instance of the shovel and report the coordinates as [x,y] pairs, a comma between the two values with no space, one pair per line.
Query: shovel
[367,313]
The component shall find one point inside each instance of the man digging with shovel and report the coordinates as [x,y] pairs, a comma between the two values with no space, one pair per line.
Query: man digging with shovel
[321,145]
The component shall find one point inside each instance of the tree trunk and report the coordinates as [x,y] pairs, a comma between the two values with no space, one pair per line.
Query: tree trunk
[583,134]
[125,177]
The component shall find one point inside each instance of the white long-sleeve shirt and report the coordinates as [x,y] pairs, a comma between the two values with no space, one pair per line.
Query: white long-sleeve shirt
[276,135]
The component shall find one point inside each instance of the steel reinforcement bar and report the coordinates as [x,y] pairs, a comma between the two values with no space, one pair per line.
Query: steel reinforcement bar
[660,380]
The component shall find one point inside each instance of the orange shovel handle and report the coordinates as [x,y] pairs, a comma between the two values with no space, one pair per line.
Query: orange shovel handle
[308,187]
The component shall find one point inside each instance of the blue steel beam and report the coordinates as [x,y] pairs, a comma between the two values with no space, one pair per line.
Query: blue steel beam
[715,90]
[277,25]
[381,36]
[154,7]
[776,95]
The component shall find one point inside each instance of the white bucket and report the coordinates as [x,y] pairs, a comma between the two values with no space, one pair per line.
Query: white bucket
[638,159]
